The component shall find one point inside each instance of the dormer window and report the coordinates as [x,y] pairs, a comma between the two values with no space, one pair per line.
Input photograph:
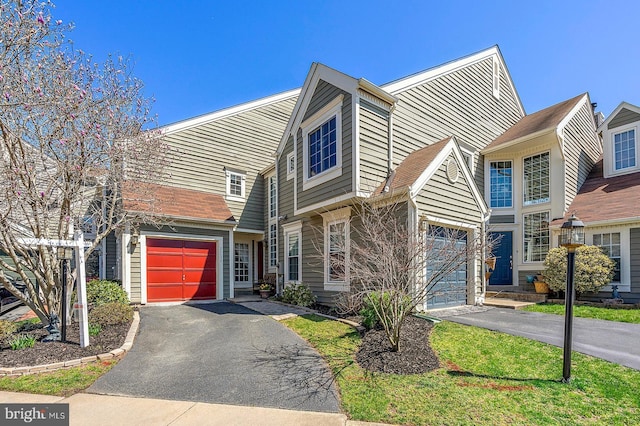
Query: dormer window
[235,185]
[322,145]
[624,147]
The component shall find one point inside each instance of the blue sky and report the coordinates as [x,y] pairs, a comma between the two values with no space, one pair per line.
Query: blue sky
[200,56]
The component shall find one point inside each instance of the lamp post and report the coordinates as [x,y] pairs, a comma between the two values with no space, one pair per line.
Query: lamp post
[571,237]
[64,254]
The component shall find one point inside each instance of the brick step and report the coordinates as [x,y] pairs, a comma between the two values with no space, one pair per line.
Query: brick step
[523,297]
[501,302]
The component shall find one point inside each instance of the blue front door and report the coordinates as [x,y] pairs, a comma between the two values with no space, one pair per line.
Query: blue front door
[503,273]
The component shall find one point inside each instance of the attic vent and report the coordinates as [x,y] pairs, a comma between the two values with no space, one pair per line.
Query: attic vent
[452,170]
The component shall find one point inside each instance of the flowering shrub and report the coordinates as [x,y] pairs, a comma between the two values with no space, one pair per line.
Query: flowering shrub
[593,269]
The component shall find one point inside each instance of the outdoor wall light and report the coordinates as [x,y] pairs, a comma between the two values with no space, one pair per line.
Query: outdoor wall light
[135,237]
[65,253]
[571,237]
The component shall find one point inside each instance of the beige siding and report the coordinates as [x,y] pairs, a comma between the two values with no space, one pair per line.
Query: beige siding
[199,231]
[452,201]
[582,149]
[459,104]
[243,142]
[623,118]
[374,126]
[323,94]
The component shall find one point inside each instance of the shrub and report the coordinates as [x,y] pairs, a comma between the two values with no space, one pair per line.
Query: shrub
[593,269]
[100,292]
[110,314]
[298,294]
[369,316]
[21,342]
[94,329]
[7,328]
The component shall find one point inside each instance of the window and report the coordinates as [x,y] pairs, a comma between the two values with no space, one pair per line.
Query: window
[336,249]
[536,179]
[293,264]
[88,227]
[241,262]
[291,166]
[536,236]
[322,145]
[501,183]
[610,245]
[273,248]
[272,198]
[273,223]
[323,148]
[235,185]
[624,146]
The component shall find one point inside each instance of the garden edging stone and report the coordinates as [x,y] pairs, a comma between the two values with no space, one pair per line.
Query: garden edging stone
[114,354]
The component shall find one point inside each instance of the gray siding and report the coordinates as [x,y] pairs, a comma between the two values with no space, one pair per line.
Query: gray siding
[224,250]
[507,218]
[623,118]
[323,94]
[243,142]
[453,201]
[634,296]
[461,104]
[582,148]
[374,127]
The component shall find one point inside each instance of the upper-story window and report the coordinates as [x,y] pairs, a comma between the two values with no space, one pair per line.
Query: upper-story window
[291,165]
[536,179]
[624,147]
[235,185]
[272,197]
[501,183]
[273,224]
[322,144]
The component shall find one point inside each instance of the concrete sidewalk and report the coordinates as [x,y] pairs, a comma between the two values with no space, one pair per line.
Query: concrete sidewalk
[612,341]
[96,410]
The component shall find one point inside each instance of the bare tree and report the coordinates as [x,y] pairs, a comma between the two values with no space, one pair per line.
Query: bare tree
[394,267]
[71,134]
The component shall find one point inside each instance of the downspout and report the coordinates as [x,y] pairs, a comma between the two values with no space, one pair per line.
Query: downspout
[390,140]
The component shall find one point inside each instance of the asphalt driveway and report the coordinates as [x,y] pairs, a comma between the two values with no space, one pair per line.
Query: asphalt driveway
[221,353]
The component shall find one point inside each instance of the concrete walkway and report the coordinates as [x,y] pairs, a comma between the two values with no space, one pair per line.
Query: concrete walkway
[97,410]
[612,341]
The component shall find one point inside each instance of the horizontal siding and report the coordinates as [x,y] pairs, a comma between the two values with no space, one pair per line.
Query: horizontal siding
[623,118]
[136,294]
[286,187]
[312,259]
[374,127]
[244,142]
[506,218]
[453,201]
[341,185]
[634,296]
[582,148]
[459,104]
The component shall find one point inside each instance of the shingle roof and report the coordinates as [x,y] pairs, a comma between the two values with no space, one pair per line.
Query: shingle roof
[602,199]
[176,202]
[412,167]
[547,118]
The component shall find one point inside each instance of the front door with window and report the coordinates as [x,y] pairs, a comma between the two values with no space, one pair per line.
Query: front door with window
[242,265]
[503,272]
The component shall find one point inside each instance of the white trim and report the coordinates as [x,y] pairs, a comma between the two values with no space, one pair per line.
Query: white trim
[232,272]
[522,260]
[623,105]
[331,110]
[450,223]
[249,231]
[287,230]
[581,103]
[355,143]
[334,217]
[251,277]
[126,260]
[625,253]
[203,119]
[487,184]
[522,182]
[243,185]
[612,149]
[489,149]
[291,172]
[323,205]
[495,77]
[142,243]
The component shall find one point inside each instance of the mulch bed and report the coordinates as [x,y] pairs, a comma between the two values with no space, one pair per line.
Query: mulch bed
[110,338]
[414,357]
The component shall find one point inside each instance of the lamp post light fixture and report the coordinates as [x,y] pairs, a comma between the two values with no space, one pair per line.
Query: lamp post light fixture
[571,237]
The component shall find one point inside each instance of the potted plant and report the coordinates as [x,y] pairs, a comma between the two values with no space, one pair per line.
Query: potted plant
[265,290]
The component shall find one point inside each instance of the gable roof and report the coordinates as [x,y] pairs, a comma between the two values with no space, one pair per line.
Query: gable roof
[603,199]
[619,108]
[226,112]
[177,203]
[541,122]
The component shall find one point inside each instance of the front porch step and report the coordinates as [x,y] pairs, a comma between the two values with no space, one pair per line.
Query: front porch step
[502,302]
[522,297]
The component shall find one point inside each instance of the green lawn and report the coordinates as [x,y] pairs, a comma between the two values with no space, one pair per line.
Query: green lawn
[609,314]
[61,382]
[486,378]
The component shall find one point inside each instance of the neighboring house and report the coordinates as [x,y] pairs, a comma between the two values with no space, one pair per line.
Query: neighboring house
[533,173]
[608,201]
[212,201]
[419,138]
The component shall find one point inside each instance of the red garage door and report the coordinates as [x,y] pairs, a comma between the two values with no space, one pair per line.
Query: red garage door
[180,270]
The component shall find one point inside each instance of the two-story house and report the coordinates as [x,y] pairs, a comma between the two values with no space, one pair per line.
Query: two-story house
[608,201]
[211,202]
[418,139]
[533,173]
